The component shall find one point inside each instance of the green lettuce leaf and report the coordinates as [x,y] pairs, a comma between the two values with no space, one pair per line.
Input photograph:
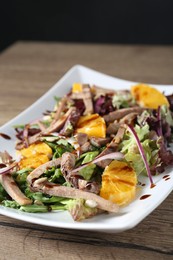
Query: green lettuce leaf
[131,151]
[11,204]
[129,142]
[89,156]
[122,100]
[166,113]
[3,193]
[88,171]
[79,210]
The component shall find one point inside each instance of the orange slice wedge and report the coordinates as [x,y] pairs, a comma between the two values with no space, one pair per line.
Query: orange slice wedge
[35,155]
[147,96]
[92,125]
[118,183]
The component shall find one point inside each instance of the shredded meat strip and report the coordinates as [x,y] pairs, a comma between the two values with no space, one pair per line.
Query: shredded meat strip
[99,91]
[86,95]
[35,174]
[13,190]
[120,113]
[60,108]
[57,190]
[68,192]
[112,147]
[67,165]
[59,123]
[52,128]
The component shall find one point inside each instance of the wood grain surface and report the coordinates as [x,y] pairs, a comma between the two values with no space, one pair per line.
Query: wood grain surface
[28,70]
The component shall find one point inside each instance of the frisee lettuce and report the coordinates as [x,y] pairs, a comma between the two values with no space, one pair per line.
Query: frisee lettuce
[130,149]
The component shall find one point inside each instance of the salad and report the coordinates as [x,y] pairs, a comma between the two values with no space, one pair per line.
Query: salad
[86,155]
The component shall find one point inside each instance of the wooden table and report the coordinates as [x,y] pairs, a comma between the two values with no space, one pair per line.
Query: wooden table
[27,70]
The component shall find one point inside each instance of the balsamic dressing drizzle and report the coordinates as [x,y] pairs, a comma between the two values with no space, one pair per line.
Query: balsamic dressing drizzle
[5,136]
[145,196]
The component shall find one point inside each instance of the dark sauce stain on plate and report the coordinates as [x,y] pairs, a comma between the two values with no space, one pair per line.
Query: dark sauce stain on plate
[7,137]
[145,196]
[152,185]
[141,184]
[166,177]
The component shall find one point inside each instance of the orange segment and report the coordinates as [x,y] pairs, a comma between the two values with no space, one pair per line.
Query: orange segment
[147,96]
[92,125]
[77,87]
[118,183]
[35,155]
[38,148]
[33,161]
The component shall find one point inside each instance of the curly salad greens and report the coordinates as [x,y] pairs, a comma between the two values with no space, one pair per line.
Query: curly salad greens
[85,156]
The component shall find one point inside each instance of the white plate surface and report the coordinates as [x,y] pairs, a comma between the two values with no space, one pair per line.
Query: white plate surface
[129,216]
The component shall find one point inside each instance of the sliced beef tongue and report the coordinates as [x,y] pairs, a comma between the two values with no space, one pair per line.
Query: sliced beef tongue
[68,161]
[120,113]
[86,143]
[86,96]
[90,186]
[86,147]
[99,91]
[36,173]
[57,126]
[70,123]
[13,190]
[60,122]
[69,192]
[7,181]
[113,128]
[42,185]
[5,157]
[99,141]
[111,147]
[83,141]
[67,165]
[127,119]
[59,110]
[81,138]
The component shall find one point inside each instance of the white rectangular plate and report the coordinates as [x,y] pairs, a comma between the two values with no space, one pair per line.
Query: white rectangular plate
[128,216]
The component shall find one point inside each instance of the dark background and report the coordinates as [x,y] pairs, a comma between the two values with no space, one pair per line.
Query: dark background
[99,21]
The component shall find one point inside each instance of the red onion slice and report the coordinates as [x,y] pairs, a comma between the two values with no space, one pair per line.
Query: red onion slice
[141,150]
[7,169]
